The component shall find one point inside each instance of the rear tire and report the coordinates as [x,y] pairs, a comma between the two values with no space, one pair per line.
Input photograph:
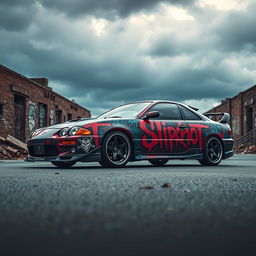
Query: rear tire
[63,164]
[158,162]
[213,152]
[116,150]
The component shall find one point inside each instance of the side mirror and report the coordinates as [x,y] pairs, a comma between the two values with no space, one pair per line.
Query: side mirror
[152,114]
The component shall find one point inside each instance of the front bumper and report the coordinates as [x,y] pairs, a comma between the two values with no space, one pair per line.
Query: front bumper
[53,150]
[92,157]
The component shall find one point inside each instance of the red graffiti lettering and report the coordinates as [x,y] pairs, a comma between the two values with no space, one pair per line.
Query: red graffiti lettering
[153,142]
[95,130]
[159,133]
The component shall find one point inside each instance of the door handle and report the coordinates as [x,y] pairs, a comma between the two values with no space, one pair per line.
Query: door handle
[183,126]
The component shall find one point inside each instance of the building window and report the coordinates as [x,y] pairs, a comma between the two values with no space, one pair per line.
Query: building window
[58,116]
[42,119]
[1,109]
[69,116]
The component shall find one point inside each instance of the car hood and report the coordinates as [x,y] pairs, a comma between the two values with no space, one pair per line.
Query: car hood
[47,132]
[83,122]
[73,123]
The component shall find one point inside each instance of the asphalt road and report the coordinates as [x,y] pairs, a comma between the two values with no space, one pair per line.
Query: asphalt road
[89,210]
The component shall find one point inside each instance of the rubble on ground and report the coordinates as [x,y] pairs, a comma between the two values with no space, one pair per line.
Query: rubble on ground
[245,149]
[250,150]
[12,149]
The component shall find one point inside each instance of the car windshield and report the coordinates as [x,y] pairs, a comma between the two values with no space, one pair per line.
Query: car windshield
[125,111]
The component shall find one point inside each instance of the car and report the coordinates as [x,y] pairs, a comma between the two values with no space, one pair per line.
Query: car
[156,131]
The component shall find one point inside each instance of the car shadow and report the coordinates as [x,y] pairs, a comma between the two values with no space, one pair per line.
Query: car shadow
[144,166]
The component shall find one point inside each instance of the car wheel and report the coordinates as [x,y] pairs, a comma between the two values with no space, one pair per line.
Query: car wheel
[116,150]
[158,162]
[213,152]
[63,164]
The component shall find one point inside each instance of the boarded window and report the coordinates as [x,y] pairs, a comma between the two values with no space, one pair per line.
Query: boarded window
[42,119]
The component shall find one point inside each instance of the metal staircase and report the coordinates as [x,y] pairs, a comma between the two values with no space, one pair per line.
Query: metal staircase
[244,143]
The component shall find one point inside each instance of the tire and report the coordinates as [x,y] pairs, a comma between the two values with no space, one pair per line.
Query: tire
[158,162]
[213,152]
[116,150]
[63,164]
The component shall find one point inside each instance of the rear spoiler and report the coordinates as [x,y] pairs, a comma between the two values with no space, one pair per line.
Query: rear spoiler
[225,116]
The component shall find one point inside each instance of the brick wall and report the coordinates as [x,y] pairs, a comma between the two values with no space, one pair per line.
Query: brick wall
[16,90]
[242,109]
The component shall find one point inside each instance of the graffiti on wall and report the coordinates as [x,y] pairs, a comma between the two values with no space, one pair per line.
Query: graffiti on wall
[32,116]
[52,117]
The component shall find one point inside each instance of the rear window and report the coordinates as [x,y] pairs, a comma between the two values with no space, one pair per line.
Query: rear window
[188,114]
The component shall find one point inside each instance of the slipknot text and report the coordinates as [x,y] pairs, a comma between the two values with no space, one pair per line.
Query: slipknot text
[160,133]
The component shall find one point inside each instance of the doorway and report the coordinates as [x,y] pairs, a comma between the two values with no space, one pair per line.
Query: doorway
[249,119]
[19,117]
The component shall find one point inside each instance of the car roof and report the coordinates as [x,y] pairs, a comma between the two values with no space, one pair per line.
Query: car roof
[174,102]
[157,101]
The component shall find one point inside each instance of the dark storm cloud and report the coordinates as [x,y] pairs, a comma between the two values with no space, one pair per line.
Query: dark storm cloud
[132,58]
[16,15]
[236,30]
[171,45]
[107,9]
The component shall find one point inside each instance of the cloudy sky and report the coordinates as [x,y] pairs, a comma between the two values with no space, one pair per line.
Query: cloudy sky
[105,53]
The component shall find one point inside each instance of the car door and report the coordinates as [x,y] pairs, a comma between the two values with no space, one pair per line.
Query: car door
[161,135]
[197,129]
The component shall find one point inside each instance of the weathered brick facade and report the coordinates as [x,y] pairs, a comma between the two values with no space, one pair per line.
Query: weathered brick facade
[28,103]
[242,109]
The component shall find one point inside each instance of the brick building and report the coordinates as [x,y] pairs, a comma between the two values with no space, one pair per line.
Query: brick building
[29,103]
[242,109]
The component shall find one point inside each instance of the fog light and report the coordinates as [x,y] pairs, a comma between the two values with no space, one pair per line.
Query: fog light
[67,142]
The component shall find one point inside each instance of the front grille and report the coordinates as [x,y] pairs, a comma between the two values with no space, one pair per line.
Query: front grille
[45,151]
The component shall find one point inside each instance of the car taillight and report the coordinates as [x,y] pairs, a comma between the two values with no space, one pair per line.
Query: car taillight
[230,132]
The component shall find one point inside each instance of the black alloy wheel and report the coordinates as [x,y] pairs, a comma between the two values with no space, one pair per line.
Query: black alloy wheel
[116,150]
[213,152]
[158,162]
[64,164]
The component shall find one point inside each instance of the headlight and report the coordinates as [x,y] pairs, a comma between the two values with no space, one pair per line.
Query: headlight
[63,132]
[78,131]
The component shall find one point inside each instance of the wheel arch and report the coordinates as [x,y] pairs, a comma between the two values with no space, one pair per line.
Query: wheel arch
[219,138]
[127,133]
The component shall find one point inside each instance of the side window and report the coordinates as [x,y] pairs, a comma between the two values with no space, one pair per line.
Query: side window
[167,111]
[188,115]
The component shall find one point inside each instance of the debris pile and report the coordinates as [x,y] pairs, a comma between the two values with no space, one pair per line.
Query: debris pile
[247,149]
[12,149]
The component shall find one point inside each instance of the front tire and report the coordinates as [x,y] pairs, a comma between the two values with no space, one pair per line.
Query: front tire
[116,150]
[63,164]
[158,162]
[213,152]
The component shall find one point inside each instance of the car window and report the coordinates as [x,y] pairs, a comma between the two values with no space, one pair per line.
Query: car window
[126,111]
[167,111]
[188,115]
